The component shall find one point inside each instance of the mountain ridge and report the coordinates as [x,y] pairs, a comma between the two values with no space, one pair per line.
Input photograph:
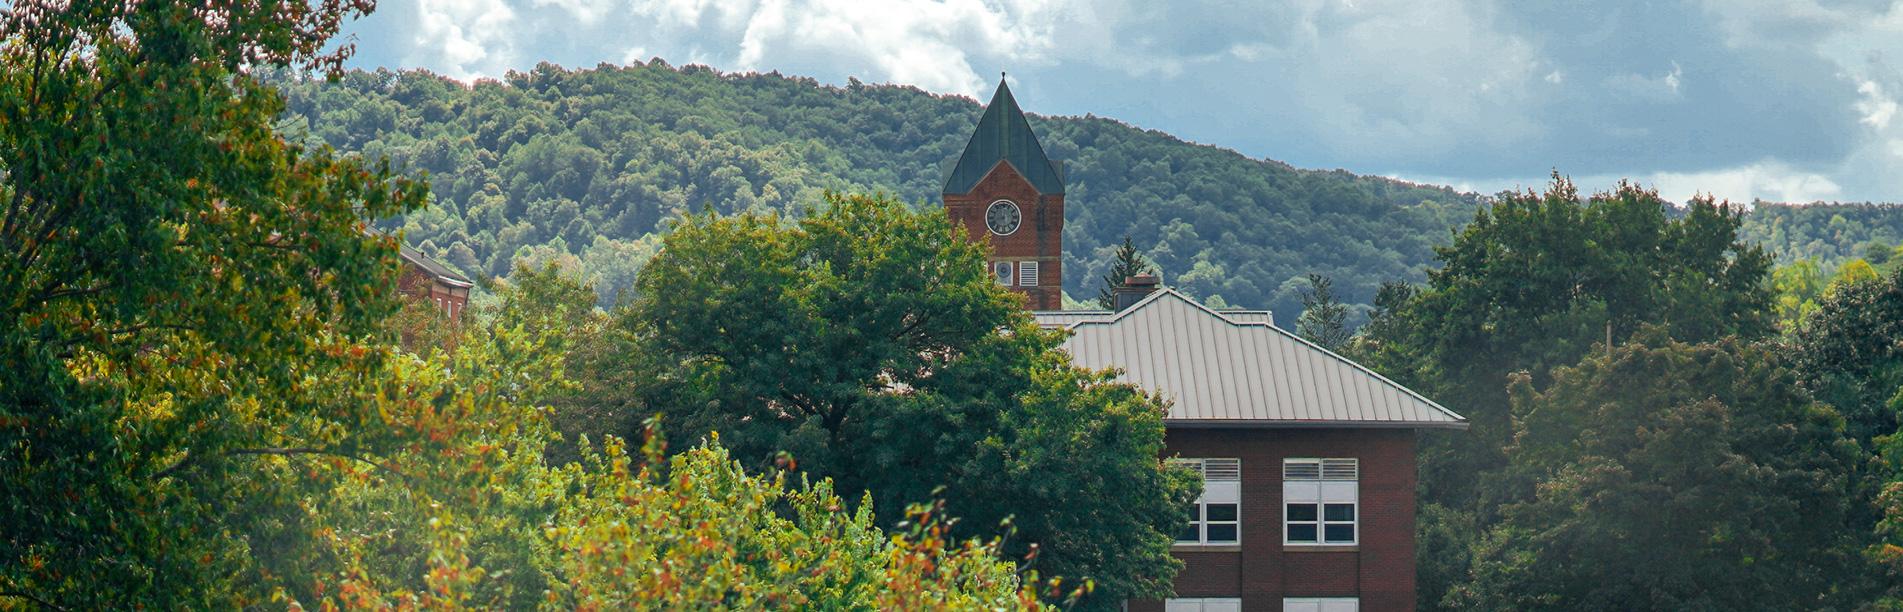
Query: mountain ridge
[584,165]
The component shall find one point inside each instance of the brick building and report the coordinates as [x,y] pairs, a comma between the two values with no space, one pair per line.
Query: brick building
[1308,458]
[430,281]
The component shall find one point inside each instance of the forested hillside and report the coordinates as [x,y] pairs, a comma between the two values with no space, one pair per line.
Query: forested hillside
[1827,233]
[555,163]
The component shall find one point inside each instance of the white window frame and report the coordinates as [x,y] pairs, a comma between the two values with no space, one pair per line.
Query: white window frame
[1203,604]
[1321,604]
[1027,274]
[1004,272]
[1222,486]
[1331,488]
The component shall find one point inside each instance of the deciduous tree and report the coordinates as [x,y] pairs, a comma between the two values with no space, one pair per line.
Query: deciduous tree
[867,343]
[1667,475]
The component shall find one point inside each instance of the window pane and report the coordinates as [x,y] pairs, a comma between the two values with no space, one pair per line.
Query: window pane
[1222,512]
[1222,533]
[1301,533]
[1195,512]
[1188,534]
[1341,533]
[1340,512]
[1301,512]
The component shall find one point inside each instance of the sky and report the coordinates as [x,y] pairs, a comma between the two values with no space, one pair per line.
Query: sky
[1781,100]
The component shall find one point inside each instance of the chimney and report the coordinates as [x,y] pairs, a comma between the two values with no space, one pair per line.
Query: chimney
[1133,290]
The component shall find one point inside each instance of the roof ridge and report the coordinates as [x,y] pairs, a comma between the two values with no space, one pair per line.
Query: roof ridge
[1158,295]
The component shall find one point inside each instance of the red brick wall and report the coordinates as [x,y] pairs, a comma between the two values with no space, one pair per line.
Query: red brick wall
[1380,570]
[1040,237]
[418,284]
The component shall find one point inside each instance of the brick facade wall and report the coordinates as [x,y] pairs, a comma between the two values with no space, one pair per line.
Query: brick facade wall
[1379,571]
[1039,236]
[418,284]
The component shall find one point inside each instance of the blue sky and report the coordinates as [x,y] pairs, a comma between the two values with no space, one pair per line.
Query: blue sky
[1786,100]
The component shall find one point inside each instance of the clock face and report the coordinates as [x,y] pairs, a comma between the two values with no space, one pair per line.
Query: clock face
[1003,217]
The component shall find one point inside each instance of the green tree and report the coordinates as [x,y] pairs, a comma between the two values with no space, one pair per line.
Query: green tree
[1850,352]
[1667,475]
[1798,286]
[1324,320]
[867,343]
[1129,262]
[172,276]
[470,514]
[1535,283]
[1537,280]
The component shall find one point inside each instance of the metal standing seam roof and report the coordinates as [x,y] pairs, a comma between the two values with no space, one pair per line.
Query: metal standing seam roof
[1004,135]
[433,267]
[1222,370]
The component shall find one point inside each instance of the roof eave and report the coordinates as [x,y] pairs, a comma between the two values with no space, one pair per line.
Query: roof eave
[1303,424]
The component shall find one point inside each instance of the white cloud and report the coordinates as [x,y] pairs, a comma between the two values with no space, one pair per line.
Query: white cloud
[1767,180]
[945,46]
[463,38]
[588,12]
[1876,107]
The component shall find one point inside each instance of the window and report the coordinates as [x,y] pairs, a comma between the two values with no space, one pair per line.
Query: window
[1319,501]
[1002,270]
[1215,517]
[1203,604]
[1027,274]
[1321,604]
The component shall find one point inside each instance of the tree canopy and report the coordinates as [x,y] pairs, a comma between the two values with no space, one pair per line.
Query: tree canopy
[1691,476]
[203,404]
[865,342]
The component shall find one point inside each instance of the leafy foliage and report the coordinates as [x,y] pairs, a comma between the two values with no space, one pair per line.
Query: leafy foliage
[202,406]
[1692,476]
[1827,233]
[1534,284]
[867,343]
[1851,352]
[593,162]
[173,280]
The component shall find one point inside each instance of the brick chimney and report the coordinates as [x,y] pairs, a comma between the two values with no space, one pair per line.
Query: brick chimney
[1133,290]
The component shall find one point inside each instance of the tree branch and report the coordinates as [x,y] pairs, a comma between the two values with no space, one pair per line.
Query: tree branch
[192,459]
[29,597]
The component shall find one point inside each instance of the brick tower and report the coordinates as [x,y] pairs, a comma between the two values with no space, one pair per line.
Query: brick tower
[1005,192]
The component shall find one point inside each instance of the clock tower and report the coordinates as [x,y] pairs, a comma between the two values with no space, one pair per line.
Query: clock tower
[1005,192]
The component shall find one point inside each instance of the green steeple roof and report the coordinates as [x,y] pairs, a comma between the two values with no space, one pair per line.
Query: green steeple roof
[1004,135]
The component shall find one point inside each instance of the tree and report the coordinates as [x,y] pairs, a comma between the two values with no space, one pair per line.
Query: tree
[472,515]
[1666,475]
[1850,352]
[1536,282]
[1128,263]
[1324,319]
[1798,286]
[172,277]
[866,342]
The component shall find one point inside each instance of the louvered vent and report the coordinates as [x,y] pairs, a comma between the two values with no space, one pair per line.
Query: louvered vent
[1341,469]
[1222,470]
[1027,274]
[1301,469]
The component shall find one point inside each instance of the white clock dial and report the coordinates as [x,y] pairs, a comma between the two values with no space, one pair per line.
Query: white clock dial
[1003,217]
